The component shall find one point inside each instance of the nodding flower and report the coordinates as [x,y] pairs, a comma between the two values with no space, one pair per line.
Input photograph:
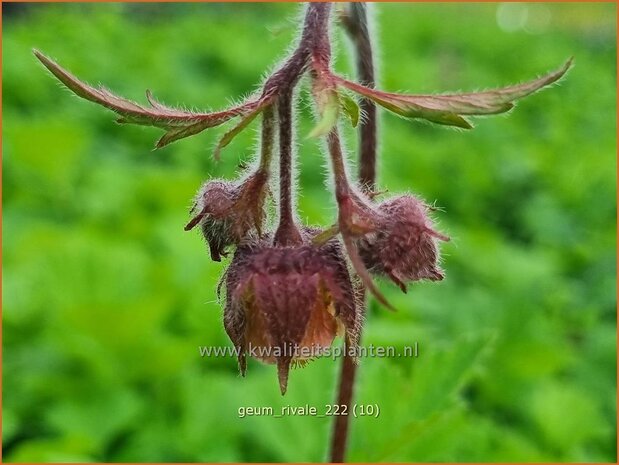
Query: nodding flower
[228,211]
[292,287]
[404,244]
[286,304]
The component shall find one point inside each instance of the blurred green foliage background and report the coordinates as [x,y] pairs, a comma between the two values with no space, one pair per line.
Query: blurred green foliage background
[106,299]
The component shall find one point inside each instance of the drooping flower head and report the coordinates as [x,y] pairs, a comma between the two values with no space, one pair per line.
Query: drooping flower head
[227,211]
[295,290]
[286,304]
[403,245]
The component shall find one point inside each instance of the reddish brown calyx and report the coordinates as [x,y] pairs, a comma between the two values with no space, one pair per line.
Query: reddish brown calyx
[285,305]
[227,212]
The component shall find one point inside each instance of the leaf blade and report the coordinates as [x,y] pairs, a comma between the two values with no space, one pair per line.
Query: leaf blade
[177,123]
[449,109]
[232,133]
[329,106]
[351,108]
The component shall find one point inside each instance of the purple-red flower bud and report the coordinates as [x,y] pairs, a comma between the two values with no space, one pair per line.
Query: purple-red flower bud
[227,211]
[285,304]
[403,245]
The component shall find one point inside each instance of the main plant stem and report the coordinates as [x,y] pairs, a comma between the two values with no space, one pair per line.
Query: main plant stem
[314,44]
[357,27]
[314,41]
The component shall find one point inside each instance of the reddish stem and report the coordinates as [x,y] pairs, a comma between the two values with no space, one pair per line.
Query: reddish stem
[359,33]
[266,139]
[342,188]
[357,27]
[287,232]
[314,41]
[339,440]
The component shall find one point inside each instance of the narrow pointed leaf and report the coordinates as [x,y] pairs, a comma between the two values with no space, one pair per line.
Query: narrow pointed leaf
[363,272]
[351,108]
[449,109]
[325,236]
[180,132]
[329,108]
[178,123]
[232,133]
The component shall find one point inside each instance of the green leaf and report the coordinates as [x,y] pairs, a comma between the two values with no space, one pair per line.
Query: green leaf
[449,109]
[329,108]
[350,106]
[232,133]
[178,123]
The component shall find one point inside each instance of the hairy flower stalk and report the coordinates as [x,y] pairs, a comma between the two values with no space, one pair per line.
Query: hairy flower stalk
[355,216]
[356,24]
[227,211]
[293,287]
[287,232]
[355,21]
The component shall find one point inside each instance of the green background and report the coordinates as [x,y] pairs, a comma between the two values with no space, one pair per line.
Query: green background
[106,299]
